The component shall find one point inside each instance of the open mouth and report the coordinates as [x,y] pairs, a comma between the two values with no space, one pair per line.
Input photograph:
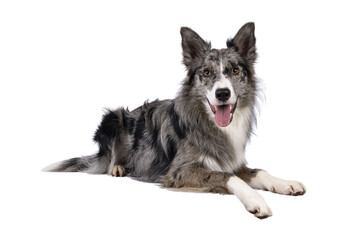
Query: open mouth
[223,113]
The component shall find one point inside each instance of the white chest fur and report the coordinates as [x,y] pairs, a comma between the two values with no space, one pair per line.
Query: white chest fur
[237,134]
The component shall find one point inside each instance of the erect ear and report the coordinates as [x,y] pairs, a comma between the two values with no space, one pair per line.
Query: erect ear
[193,45]
[244,42]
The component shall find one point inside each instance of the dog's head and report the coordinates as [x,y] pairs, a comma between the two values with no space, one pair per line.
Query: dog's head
[221,78]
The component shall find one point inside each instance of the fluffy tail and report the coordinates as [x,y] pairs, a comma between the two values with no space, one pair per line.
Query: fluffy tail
[94,164]
[107,136]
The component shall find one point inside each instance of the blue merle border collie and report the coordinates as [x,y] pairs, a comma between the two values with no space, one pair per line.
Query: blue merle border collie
[196,141]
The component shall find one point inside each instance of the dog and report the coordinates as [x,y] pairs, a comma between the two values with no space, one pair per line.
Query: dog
[196,141]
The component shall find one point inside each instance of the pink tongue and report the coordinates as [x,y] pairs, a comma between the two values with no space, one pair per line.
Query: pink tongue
[222,115]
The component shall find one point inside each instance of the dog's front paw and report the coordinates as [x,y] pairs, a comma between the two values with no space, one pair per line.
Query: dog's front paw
[257,206]
[251,199]
[287,188]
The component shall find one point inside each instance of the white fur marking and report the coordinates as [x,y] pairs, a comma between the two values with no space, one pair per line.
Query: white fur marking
[211,164]
[251,199]
[53,166]
[237,133]
[222,83]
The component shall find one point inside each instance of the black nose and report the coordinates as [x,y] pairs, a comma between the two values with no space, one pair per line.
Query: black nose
[222,94]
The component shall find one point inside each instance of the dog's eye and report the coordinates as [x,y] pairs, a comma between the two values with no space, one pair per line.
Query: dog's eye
[235,71]
[206,72]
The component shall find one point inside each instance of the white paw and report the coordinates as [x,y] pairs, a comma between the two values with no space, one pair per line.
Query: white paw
[265,181]
[251,199]
[256,205]
[287,187]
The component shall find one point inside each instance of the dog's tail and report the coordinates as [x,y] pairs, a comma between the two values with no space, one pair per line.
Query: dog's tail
[93,164]
[107,136]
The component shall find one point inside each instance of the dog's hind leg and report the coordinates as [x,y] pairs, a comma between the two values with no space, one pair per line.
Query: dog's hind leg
[260,179]
[112,137]
[119,161]
[118,171]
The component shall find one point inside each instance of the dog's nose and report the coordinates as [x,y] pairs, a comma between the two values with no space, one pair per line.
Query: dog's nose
[222,94]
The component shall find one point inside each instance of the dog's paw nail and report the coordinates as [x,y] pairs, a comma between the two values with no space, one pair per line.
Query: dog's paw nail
[297,189]
[263,213]
[253,211]
[260,211]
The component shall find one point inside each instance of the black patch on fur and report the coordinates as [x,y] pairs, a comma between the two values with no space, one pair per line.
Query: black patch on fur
[153,128]
[171,149]
[230,43]
[244,67]
[191,76]
[206,179]
[108,130]
[154,137]
[226,71]
[128,123]
[139,130]
[176,123]
[162,162]
[242,64]
[214,59]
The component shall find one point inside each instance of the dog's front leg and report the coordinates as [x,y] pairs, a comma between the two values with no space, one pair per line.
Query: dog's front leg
[201,179]
[251,199]
[264,180]
[260,179]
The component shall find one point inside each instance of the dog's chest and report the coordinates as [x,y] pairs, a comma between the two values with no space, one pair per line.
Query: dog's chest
[237,133]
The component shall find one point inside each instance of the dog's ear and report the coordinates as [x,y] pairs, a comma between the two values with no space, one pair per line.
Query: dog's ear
[244,42]
[193,45]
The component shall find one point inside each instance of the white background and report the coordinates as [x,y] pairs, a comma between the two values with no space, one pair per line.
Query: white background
[63,62]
